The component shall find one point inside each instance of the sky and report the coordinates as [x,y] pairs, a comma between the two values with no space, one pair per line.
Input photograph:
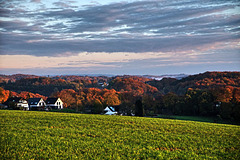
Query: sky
[136,37]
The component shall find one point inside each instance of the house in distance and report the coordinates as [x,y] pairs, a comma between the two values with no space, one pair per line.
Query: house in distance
[36,104]
[23,105]
[17,103]
[109,111]
[54,103]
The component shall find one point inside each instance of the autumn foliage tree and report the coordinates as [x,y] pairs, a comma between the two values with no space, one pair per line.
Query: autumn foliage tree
[110,98]
[4,94]
[67,96]
[205,94]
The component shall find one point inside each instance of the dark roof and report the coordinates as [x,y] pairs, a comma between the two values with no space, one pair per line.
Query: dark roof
[51,100]
[13,99]
[111,108]
[33,100]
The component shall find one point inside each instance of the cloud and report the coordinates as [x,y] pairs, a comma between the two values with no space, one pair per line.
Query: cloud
[83,59]
[65,5]
[36,1]
[40,45]
[119,63]
[141,26]
[119,59]
[185,31]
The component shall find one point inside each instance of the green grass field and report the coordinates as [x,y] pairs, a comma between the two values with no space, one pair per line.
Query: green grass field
[49,135]
[196,118]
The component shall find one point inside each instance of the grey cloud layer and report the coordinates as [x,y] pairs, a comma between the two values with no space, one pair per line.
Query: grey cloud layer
[141,26]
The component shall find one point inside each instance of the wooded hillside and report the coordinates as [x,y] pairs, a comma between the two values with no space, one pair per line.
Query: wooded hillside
[206,94]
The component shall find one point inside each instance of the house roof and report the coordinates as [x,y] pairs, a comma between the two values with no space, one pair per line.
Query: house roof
[33,100]
[13,99]
[111,109]
[51,100]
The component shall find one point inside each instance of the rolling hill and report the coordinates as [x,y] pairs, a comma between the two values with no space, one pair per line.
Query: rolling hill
[47,135]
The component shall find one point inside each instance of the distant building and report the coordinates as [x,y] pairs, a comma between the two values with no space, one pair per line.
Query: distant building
[23,105]
[109,111]
[17,103]
[54,103]
[12,102]
[36,103]
[32,103]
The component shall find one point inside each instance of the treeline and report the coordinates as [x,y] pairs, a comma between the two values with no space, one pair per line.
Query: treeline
[46,86]
[5,94]
[208,94]
[207,80]
[196,102]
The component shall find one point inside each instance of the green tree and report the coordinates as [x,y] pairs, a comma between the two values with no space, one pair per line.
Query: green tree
[236,112]
[97,107]
[170,100]
[149,104]
[226,110]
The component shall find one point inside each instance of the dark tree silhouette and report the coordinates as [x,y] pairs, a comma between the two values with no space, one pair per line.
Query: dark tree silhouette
[139,108]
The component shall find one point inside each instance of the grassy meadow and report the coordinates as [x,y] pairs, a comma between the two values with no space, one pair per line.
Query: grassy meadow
[49,135]
[196,118]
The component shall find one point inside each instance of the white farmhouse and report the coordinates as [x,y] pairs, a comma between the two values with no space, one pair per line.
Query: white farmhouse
[36,103]
[54,103]
[17,103]
[109,111]
[23,104]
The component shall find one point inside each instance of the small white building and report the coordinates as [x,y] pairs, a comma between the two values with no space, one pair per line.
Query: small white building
[23,105]
[17,103]
[54,103]
[109,111]
[36,103]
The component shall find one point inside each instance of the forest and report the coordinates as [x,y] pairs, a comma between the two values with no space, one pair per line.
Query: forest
[210,94]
